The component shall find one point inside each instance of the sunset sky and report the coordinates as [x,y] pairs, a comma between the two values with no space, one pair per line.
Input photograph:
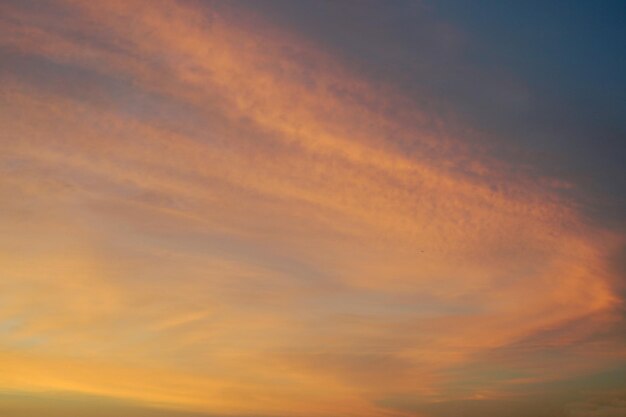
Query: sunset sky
[312,208]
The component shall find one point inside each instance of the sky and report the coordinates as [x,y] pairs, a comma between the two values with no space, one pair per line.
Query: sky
[283,208]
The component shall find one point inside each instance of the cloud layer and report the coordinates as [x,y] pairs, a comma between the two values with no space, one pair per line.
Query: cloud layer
[205,212]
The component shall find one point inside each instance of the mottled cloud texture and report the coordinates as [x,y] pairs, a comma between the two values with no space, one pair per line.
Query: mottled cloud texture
[206,212]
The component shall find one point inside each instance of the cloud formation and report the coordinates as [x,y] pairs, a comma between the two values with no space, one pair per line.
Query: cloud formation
[205,212]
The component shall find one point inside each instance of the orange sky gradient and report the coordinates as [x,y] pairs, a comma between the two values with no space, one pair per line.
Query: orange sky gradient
[204,212]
